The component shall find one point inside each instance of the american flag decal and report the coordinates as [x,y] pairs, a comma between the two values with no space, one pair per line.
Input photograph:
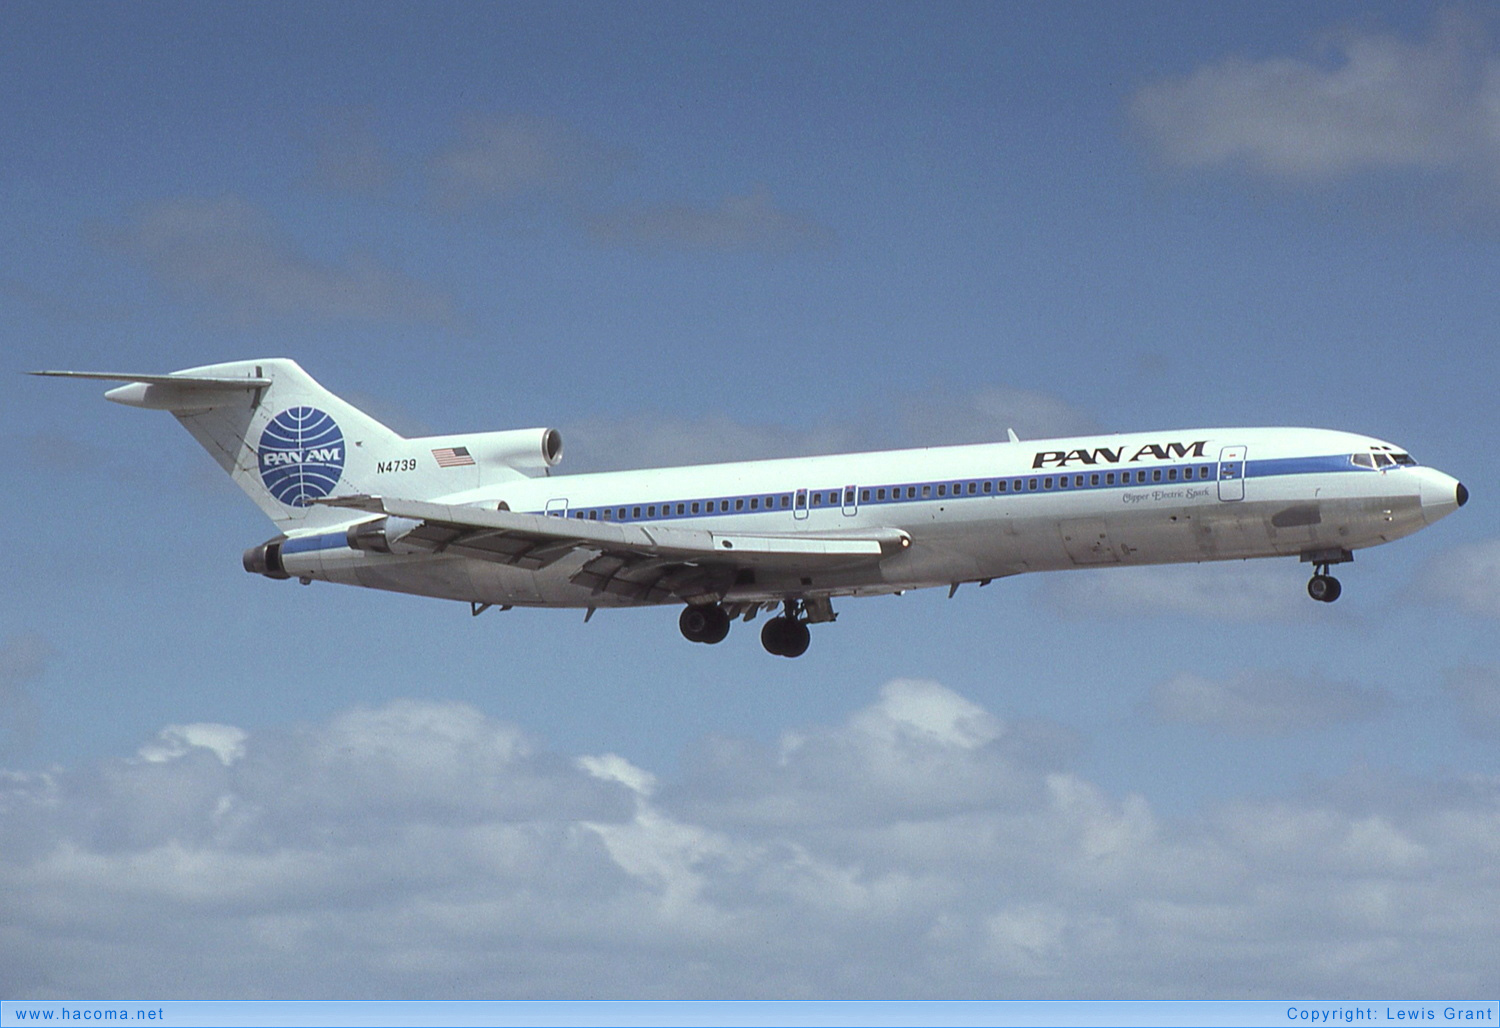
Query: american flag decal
[452,456]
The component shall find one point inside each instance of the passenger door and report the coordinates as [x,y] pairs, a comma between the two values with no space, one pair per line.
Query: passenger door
[1232,473]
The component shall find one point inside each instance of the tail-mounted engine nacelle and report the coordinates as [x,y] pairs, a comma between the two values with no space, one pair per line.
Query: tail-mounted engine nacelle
[528,450]
[383,535]
[265,559]
[531,451]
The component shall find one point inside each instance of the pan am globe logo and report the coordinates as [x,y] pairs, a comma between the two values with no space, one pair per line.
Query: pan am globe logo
[301,456]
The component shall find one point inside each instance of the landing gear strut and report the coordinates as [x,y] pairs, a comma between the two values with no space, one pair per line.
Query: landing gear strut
[786,635]
[1323,587]
[704,623]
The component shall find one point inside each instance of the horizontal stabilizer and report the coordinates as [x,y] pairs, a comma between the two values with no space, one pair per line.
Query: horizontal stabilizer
[187,381]
[177,393]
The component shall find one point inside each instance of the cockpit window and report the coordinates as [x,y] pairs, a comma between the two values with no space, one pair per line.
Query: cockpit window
[1382,457]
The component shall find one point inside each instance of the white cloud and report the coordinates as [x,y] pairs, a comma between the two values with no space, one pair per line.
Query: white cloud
[915,849]
[1265,701]
[224,741]
[1467,577]
[1237,590]
[1369,101]
[230,257]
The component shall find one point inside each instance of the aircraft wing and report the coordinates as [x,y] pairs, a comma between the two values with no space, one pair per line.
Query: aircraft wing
[649,562]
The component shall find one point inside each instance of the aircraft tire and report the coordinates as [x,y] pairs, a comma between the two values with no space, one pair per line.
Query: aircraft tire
[783,637]
[704,623]
[1324,588]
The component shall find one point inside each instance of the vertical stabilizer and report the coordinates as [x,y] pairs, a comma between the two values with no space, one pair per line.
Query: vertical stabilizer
[283,438]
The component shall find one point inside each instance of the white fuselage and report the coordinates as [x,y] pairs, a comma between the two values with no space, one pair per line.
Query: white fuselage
[972,513]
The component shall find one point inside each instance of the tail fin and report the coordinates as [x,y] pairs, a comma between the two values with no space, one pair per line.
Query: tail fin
[283,438]
[288,442]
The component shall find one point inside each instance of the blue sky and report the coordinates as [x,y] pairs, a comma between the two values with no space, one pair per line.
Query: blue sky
[686,232]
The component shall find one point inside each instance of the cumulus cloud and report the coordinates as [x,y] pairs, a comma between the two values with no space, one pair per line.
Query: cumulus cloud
[229,257]
[1239,591]
[1366,101]
[753,223]
[1467,577]
[915,849]
[1265,701]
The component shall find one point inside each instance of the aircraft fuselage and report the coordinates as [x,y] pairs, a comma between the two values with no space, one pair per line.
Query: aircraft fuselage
[972,513]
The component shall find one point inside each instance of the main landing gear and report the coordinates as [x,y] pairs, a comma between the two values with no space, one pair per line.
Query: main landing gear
[704,623]
[785,635]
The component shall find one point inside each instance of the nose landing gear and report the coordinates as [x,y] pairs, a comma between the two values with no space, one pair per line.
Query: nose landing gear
[1323,587]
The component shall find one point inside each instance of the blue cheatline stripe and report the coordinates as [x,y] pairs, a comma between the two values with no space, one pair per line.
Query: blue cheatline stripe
[1203,475]
[309,543]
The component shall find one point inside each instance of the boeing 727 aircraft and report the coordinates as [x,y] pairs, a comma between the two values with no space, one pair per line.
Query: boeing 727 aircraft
[480,518]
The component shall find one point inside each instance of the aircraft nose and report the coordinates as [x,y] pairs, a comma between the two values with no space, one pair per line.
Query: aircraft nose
[1441,494]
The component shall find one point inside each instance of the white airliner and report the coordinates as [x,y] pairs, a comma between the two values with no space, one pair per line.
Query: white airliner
[480,518]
